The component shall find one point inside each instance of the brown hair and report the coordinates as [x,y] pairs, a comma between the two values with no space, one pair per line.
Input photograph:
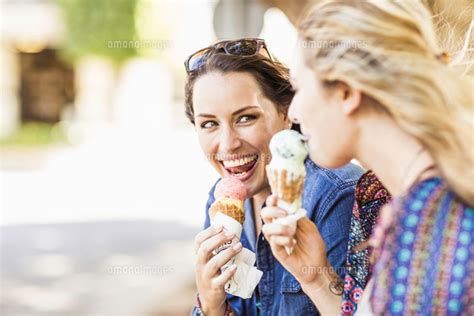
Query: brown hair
[271,76]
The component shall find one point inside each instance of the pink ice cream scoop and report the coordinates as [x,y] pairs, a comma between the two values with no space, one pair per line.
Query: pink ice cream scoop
[230,188]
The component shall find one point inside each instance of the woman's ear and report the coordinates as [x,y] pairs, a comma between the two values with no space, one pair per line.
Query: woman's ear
[349,98]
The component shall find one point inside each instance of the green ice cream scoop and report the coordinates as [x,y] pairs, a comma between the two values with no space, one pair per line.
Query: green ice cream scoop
[288,148]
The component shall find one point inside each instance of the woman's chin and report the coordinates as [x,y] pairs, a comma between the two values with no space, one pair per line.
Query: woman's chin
[328,162]
[253,185]
[320,160]
[258,185]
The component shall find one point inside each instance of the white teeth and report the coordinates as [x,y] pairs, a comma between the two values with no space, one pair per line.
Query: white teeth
[239,162]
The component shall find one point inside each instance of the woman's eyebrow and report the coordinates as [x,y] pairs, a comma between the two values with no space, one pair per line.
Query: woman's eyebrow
[233,114]
[206,115]
[245,109]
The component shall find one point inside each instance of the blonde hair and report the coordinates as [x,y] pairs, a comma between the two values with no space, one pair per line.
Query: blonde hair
[389,50]
[454,26]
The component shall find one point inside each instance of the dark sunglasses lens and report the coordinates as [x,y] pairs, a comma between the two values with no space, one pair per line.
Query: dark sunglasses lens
[198,60]
[242,48]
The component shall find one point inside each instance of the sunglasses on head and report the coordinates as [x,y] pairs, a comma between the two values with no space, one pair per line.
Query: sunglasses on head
[245,47]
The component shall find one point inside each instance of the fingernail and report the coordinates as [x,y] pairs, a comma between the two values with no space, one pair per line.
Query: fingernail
[233,267]
[237,246]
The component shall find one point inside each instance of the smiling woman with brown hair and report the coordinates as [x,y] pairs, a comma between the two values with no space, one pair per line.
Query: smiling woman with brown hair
[237,97]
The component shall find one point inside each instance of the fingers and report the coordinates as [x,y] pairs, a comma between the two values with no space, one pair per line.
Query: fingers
[271,212]
[221,280]
[279,237]
[273,229]
[207,246]
[271,200]
[278,248]
[283,241]
[206,234]
[216,262]
[307,226]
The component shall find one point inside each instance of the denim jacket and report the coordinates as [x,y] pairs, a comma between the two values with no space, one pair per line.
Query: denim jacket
[328,198]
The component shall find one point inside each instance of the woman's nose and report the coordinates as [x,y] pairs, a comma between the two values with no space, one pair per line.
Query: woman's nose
[229,140]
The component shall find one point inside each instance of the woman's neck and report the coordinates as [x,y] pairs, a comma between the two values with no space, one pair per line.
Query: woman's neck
[257,203]
[397,158]
[259,198]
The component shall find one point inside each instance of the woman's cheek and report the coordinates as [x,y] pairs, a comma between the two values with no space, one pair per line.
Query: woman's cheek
[257,134]
[207,144]
[203,142]
[306,111]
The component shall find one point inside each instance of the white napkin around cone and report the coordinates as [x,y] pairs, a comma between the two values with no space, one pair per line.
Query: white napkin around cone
[247,276]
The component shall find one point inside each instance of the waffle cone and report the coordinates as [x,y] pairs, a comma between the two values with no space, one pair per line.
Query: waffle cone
[286,186]
[230,207]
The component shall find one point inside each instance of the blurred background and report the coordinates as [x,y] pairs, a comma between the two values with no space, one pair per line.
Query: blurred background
[103,184]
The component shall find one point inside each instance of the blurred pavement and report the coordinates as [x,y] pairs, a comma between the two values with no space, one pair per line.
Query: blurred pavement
[103,268]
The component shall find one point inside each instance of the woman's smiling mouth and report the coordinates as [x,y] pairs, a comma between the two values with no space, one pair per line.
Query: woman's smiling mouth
[241,167]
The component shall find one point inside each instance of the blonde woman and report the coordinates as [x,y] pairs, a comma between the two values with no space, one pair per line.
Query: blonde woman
[372,84]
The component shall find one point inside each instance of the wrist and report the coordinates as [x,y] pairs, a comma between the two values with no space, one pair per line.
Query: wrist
[315,278]
[326,280]
[316,285]
[322,293]
[218,310]
[205,309]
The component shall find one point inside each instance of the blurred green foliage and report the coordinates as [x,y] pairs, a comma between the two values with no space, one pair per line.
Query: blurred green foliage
[33,133]
[92,25]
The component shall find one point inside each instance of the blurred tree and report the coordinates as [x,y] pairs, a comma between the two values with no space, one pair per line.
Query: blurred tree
[99,27]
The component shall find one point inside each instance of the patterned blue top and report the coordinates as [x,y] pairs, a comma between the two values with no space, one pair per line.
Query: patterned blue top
[426,262]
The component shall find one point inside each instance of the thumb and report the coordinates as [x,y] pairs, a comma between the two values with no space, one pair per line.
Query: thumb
[278,251]
[307,228]
[306,225]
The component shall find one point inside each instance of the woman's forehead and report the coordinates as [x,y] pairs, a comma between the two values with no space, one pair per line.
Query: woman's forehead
[225,93]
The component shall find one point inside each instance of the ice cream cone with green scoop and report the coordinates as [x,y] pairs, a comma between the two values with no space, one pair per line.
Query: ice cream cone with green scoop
[286,172]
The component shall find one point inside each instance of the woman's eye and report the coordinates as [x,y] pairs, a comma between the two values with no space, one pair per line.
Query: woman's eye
[208,124]
[246,118]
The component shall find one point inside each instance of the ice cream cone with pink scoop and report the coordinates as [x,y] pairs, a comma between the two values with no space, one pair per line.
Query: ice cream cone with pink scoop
[228,211]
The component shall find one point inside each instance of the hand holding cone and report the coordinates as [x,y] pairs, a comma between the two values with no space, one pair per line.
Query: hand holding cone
[228,211]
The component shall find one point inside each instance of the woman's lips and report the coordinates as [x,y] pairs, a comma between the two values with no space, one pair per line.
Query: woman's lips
[243,172]
[243,168]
